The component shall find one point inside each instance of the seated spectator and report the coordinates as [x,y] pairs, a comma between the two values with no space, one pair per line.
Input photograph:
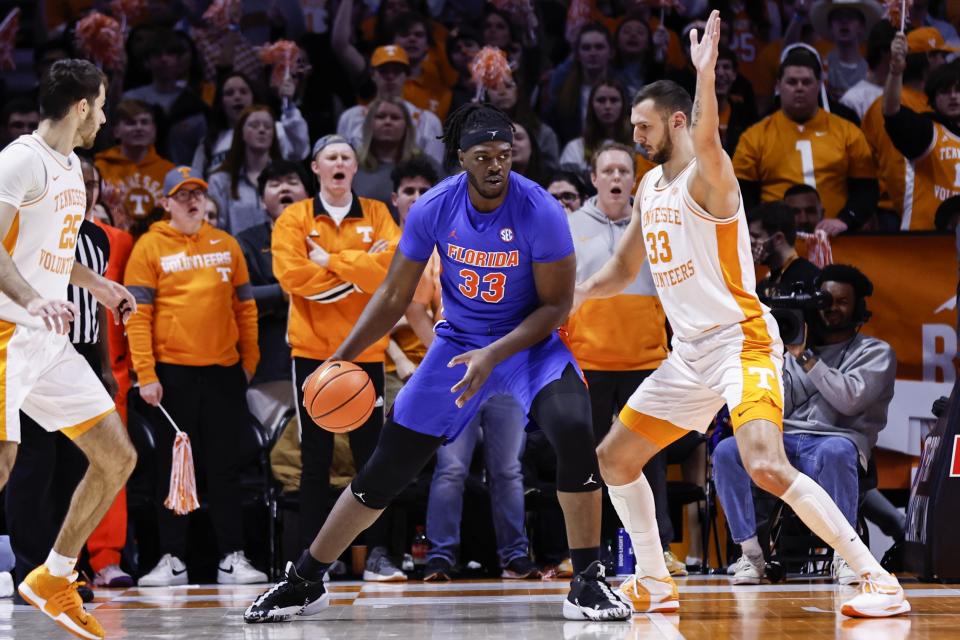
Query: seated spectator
[641,54]
[462,45]
[510,98]
[860,96]
[836,394]
[527,160]
[390,68]
[133,167]
[737,111]
[772,237]
[194,346]
[235,92]
[426,87]
[176,87]
[925,53]
[566,100]
[20,117]
[270,394]
[233,184]
[845,24]
[804,202]
[567,187]
[801,142]
[608,120]
[389,138]
[927,140]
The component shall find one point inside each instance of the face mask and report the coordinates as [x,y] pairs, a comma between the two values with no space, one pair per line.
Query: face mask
[761,250]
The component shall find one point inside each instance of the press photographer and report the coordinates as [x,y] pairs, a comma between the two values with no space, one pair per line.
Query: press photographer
[837,386]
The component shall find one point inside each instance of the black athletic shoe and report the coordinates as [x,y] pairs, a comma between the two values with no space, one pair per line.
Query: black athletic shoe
[591,598]
[437,570]
[520,568]
[292,596]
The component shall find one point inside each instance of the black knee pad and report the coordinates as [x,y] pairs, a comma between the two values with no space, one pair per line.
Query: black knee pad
[562,410]
[400,455]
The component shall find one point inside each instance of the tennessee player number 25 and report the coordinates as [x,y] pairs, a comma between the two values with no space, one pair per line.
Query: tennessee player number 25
[71,228]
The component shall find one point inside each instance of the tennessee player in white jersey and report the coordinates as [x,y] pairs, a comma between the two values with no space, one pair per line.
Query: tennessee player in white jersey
[42,203]
[688,221]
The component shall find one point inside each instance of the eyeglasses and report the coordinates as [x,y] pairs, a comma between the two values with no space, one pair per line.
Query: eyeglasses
[566,196]
[186,195]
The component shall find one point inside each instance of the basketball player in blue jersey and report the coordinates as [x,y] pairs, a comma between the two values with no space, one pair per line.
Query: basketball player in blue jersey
[508,274]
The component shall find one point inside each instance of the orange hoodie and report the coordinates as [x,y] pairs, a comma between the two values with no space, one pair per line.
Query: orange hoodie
[194,301]
[140,183]
[325,303]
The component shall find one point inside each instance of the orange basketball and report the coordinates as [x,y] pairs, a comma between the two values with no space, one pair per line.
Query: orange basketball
[339,396]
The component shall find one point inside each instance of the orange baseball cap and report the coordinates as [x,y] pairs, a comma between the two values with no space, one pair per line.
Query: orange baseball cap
[389,53]
[927,40]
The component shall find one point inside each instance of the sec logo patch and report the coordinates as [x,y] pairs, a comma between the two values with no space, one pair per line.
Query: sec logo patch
[506,234]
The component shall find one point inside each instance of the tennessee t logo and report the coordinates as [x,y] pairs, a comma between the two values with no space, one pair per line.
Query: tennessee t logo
[764,374]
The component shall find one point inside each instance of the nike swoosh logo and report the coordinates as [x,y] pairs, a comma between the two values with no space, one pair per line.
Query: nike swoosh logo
[265,250]
[230,570]
[177,573]
[55,178]
[216,241]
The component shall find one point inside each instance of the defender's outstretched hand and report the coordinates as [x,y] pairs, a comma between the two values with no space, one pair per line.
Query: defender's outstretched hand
[703,54]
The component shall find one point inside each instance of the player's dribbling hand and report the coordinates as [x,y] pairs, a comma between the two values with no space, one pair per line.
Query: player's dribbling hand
[152,393]
[479,363]
[56,314]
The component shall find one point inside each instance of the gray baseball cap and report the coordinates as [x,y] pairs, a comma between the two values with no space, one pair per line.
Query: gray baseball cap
[180,176]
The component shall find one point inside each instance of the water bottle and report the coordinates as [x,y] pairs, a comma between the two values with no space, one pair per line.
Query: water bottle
[420,547]
[625,560]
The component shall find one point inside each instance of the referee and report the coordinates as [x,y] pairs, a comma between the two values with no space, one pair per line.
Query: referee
[33,532]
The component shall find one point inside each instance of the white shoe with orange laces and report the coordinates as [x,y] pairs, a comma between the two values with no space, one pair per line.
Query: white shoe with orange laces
[880,596]
[648,595]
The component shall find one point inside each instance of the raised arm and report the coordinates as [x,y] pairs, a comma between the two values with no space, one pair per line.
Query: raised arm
[713,184]
[622,268]
[340,40]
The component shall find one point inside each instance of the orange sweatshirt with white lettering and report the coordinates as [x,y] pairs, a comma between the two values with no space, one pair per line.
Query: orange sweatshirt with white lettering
[195,304]
[325,302]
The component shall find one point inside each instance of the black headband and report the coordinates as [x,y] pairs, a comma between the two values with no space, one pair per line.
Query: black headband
[490,134]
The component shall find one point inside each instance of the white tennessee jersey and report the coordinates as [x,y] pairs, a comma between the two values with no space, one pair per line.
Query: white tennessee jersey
[702,265]
[47,189]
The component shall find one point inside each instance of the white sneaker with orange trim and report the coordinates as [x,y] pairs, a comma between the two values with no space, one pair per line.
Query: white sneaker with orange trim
[880,596]
[648,595]
[58,598]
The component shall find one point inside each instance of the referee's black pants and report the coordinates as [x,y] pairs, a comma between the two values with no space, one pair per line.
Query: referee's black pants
[316,450]
[48,468]
[210,404]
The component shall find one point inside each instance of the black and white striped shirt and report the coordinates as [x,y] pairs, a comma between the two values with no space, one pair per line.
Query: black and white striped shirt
[93,252]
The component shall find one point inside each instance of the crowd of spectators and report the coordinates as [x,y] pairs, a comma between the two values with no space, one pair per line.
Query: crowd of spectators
[834,121]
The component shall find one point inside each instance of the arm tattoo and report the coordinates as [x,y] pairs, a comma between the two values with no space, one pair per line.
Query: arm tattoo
[697,111]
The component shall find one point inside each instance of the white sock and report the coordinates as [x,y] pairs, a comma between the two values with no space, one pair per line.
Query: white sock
[635,506]
[60,566]
[820,513]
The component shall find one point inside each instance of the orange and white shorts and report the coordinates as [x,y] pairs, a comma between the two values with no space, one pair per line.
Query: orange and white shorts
[699,377]
[44,376]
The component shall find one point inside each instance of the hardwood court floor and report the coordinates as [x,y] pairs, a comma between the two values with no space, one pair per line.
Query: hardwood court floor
[502,610]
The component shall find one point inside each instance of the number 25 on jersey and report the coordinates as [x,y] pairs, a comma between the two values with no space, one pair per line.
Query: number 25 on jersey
[70,231]
[489,287]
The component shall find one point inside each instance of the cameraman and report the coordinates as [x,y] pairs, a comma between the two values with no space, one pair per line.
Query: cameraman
[772,236]
[836,395]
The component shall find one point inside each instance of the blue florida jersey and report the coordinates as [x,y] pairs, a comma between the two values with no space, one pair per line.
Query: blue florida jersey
[487,259]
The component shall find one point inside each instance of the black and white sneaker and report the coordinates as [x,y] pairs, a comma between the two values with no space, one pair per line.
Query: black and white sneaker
[292,596]
[591,598]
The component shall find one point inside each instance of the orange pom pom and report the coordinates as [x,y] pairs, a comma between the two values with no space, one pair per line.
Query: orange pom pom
[898,12]
[100,38]
[223,13]
[8,39]
[282,56]
[182,498]
[490,69]
[578,14]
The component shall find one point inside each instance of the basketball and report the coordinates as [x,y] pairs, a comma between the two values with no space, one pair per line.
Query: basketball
[339,396]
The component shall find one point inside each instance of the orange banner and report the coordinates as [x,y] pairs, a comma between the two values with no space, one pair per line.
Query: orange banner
[914,299]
